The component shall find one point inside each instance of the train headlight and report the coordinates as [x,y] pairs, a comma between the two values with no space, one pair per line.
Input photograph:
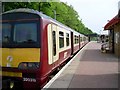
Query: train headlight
[11,85]
[28,65]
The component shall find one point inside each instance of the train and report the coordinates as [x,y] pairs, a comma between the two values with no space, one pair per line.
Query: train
[33,46]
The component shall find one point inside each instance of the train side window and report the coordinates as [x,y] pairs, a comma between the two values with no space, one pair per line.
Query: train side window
[61,39]
[78,39]
[75,39]
[81,39]
[67,39]
[84,38]
[54,42]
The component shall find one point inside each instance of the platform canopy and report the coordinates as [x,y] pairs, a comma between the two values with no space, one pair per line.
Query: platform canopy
[112,22]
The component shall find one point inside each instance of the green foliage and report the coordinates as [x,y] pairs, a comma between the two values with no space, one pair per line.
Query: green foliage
[64,13]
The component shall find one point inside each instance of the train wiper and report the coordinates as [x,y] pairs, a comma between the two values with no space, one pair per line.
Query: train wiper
[29,41]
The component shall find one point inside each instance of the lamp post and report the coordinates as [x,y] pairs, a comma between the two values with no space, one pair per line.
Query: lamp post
[54,11]
[3,6]
[55,14]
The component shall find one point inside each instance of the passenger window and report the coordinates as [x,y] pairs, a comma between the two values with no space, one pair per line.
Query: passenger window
[84,38]
[67,39]
[75,39]
[61,39]
[54,43]
[81,39]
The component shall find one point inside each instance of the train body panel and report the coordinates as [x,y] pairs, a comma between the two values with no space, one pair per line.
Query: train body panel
[76,48]
[52,55]
[14,56]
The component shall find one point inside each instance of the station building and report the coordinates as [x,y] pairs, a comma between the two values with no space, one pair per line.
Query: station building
[113,26]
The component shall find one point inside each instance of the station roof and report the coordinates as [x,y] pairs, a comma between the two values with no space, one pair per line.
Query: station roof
[111,23]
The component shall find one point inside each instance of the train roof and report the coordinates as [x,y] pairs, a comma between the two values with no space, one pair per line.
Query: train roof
[27,10]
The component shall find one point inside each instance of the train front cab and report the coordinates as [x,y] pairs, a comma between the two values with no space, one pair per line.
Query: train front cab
[20,50]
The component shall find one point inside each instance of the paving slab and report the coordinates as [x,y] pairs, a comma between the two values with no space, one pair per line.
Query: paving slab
[96,69]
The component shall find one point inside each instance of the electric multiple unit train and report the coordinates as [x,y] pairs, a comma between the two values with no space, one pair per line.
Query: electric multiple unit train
[33,46]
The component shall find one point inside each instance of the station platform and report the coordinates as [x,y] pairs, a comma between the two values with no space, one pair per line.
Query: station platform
[90,68]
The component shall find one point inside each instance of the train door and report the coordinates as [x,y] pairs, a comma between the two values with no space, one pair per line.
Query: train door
[52,44]
[79,41]
[72,43]
[55,43]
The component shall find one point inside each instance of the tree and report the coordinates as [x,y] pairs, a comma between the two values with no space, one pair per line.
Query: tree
[64,13]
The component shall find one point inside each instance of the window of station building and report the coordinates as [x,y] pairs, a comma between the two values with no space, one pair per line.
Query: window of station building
[54,42]
[67,39]
[61,39]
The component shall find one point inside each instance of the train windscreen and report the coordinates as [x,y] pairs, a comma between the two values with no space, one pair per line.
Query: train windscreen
[20,30]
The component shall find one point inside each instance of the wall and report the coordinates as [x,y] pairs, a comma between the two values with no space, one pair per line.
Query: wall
[117,39]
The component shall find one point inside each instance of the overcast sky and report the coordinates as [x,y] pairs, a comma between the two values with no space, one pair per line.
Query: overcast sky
[95,13]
